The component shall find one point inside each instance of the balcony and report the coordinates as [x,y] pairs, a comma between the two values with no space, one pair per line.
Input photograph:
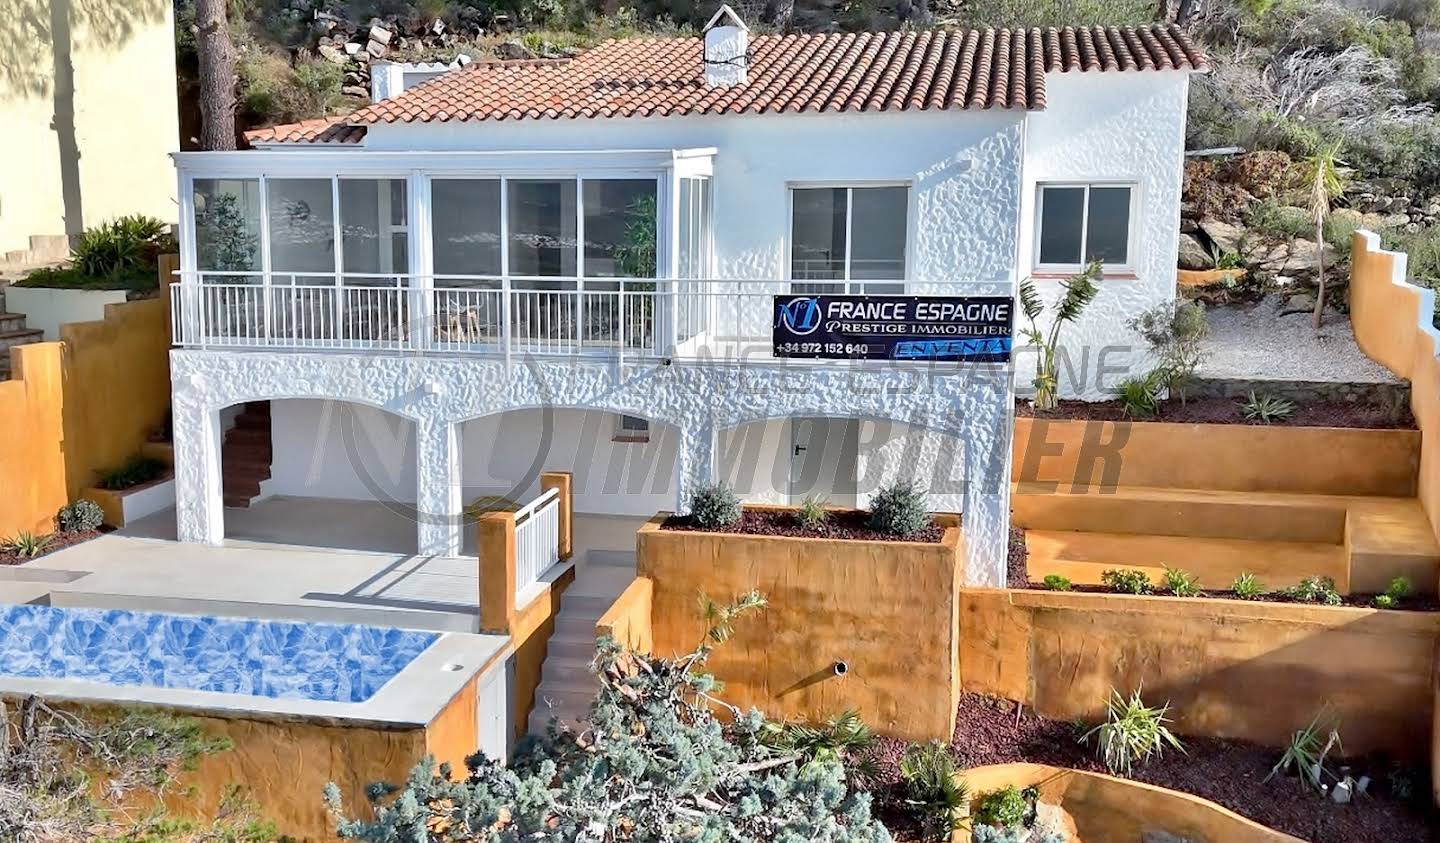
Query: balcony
[624,319]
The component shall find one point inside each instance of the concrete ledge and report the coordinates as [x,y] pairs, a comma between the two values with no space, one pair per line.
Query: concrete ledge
[125,506]
[1105,808]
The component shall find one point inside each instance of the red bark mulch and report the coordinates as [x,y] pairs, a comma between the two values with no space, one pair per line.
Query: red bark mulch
[1227,411]
[58,541]
[1397,806]
[1414,603]
[842,524]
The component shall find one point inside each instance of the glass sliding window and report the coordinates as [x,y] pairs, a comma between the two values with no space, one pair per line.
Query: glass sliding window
[465,228]
[302,230]
[1081,223]
[849,235]
[542,217]
[227,228]
[693,257]
[620,228]
[375,238]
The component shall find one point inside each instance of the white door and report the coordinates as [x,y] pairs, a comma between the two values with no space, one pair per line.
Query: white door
[824,457]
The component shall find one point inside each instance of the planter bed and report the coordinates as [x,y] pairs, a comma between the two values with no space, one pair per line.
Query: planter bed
[1227,411]
[780,521]
[1419,603]
[1228,772]
[125,506]
[58,541]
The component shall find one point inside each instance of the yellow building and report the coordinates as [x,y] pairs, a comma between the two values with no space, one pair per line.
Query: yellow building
[87,103]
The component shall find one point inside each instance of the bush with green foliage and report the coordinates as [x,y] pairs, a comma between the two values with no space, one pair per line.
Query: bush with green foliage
[899,510]
[1422,263]
[1314,590]
[1267,409]
[80,516]
[1179,583]
[933,789]
[1132,733]
[1396,592]
[122,253]
[1139,396]
[1008,807]
[1175,333]
[812,513]
[1384,601]
[1247,586]
[136,471]
[652,761]
[273,90]
[1126,581]
[1055,582]
[713,506]
[836,740]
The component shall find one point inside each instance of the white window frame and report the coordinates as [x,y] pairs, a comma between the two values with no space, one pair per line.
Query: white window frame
[624,434]
[1071,268]
[850,285]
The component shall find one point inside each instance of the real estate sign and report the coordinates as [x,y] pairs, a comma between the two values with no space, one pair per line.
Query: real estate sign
[974,328]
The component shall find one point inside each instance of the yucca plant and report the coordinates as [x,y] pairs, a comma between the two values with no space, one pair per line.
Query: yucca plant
[933,790]
[1247,586]
[1322,174]
[1306,755]
[1267,408]
[812,513]
[1077,293]
[1179,582]
[1140,395]
[1132,733]
[26,545]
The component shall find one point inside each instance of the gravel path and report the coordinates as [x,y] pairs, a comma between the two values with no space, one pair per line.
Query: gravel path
[1256,342]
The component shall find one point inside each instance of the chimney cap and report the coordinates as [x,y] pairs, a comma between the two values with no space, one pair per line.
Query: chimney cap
[725,12]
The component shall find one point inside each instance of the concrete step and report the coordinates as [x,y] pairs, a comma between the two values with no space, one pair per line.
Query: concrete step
[21,336]
[571,627]
[1082,557]
[601,581]
[245,472]
[247,436]
[11,322]
[611,558]
[570,650]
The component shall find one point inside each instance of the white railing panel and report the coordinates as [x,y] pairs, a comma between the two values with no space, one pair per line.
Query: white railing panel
[537,540]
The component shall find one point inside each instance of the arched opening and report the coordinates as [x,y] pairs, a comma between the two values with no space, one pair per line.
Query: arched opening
[624,468]
[319,473]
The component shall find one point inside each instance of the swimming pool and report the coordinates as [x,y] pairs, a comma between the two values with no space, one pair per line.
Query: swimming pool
[262,658]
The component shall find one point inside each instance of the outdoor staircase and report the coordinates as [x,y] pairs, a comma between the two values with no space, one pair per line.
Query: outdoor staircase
[566,685]
[12,333]
[246,454]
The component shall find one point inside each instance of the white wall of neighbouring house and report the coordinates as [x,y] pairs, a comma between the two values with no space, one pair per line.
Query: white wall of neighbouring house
[111,66]
[1122,128]
[337,449]
[46,308]
[504,454]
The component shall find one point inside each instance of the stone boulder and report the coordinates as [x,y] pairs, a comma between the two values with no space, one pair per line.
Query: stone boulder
[1226,236]
[1193,255]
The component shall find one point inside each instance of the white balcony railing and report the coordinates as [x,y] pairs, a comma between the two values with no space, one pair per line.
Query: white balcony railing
[537,540]
[722,319]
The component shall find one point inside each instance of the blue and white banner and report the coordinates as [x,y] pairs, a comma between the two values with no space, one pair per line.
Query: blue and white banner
[974,328]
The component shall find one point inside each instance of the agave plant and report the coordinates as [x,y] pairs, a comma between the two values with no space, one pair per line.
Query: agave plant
[1077,293]
[26,545]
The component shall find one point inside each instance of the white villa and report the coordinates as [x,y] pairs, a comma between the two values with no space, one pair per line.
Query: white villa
[573,265]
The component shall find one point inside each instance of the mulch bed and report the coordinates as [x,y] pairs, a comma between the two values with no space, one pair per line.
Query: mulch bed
[842,524]
[58,541]
[1017,575]
[1227,411]
[1230,773]
[1363,601]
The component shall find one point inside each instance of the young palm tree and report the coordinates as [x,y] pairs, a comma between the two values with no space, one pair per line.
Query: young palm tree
[1079,291]
[1323,175]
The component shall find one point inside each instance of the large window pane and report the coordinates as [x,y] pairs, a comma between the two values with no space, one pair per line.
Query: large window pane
[372,225]
[302,227]
[1108,234]
[227,226]
[620,228]
[465,227]
[1062,216]
[817,232]
[877,231]
[542,227]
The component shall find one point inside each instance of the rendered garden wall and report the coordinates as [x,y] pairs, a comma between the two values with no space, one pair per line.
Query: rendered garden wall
[887,609]
[1229,668]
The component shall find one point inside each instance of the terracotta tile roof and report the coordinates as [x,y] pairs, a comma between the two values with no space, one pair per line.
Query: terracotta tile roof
[321,130]
[841,72]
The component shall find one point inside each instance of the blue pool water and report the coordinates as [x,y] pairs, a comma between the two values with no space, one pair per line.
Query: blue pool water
[263,658]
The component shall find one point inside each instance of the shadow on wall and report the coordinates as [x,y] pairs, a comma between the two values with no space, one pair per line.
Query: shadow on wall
[39,40]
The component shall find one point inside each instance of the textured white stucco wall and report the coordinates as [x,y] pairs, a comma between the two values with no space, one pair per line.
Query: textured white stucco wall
[1112,127]
[437,394]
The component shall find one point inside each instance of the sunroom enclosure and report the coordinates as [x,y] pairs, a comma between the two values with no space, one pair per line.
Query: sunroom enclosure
[605,253]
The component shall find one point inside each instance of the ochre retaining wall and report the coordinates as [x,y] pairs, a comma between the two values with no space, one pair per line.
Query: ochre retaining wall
[1229,668]
[1105,809]
[884,608]
[32,459]
[1228,457]
[628,618]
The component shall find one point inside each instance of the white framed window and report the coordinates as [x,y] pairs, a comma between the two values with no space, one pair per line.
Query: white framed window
[631,429]
[1078,223]
[844,238]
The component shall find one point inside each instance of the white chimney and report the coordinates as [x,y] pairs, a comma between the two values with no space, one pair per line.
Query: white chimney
[727,49]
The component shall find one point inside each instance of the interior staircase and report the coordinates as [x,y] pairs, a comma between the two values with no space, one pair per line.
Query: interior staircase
[13,332]
[566,685]
[246,454]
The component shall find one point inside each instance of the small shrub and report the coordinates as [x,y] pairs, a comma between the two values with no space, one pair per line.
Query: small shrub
[834,740]
[1055,582]
[713,506]
[1077,293]
[80,516]
[1132,733]
[137,470]
[1314,590]
[1175,333]
[1038,834]
[1384,601]
[899,510]
[26,545]
[1399,589]
[1127,581]
[1306,755]
[1006,808]
[932,788]
[120,247]
[1247,586]
[1179,582]
[812,513]
[1140,395]
[1267,408]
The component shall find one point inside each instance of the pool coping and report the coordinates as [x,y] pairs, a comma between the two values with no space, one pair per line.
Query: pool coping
[410,699]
